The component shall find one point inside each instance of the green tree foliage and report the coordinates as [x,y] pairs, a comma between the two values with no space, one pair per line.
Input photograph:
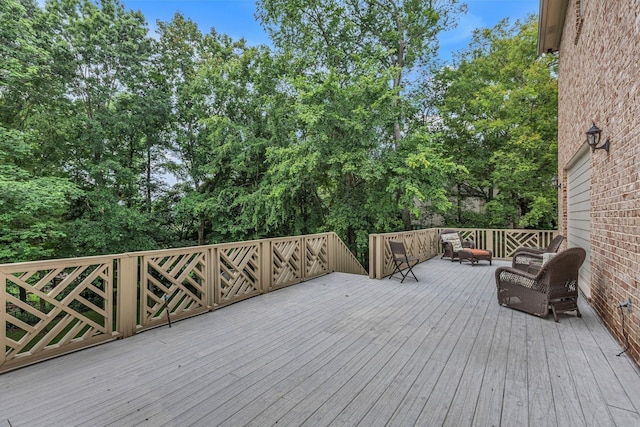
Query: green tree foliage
[227,112]
[354,154]
[32,206]
[498,105]
[323,132]
[111,134]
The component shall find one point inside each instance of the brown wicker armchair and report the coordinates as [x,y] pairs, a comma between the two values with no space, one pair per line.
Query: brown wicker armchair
[451,242]
[554,286]
[528,259]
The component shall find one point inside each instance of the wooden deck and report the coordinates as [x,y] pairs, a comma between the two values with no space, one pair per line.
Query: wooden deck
[344,350]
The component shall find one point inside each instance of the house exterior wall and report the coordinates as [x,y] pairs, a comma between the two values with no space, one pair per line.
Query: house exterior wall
[599,81]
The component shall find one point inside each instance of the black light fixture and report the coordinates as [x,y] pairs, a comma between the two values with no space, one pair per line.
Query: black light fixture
[593,138]
[555,183]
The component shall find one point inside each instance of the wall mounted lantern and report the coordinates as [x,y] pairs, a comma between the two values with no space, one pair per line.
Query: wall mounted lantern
[555,183]
[593,138]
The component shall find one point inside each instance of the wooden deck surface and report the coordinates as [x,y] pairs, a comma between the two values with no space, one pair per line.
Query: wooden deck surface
[344,350]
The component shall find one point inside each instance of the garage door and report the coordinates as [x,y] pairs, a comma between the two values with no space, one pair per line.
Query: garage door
[579,212]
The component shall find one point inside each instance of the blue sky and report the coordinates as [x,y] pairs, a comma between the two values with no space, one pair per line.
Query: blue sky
[236,17]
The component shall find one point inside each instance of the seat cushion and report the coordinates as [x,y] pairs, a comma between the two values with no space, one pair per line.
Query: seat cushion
[548,256]
[454,239]
[479,252]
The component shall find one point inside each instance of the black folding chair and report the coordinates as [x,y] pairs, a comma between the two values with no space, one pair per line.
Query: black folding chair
[400,257]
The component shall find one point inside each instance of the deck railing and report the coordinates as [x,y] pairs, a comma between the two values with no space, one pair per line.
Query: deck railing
[424,244]
[48,308]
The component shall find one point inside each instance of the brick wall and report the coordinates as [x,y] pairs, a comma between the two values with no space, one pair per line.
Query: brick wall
[599,81]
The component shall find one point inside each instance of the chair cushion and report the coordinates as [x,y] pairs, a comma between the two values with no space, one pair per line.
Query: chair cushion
[479,252]
[547,256]
[454,239]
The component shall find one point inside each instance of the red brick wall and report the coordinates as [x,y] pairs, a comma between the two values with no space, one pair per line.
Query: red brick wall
[599,81]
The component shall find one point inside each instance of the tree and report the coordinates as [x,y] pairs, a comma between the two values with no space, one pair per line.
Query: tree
[102,58]
[498,105]
[33,207]
[355,146]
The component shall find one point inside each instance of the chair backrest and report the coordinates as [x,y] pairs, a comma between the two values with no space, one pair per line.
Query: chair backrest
[397,248]
[555,244]
[561,272]
[451,236]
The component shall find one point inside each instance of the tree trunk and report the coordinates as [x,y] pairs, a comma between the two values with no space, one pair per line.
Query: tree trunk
[148,177]
[201,225]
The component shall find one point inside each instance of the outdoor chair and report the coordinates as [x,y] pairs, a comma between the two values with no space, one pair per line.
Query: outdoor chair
[453,246]
[452,243]
[400,257]
[527,259]
[554,286]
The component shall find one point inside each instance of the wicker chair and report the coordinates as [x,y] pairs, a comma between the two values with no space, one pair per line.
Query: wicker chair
[528,259]
[451,242]
[554,286]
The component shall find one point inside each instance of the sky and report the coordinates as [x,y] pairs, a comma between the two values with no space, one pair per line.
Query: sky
[236,19]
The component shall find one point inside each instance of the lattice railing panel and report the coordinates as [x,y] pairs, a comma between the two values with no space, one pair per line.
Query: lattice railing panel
[344,260]
[515,240]
[175,282]
[286,262]
[47,310]
[317,258]
[388,256]
[424,244]
[239,271]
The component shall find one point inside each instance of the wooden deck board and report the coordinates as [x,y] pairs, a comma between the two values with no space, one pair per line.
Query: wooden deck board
[488,411]
[515,402]
[538,377]
[568,409]
[344,350]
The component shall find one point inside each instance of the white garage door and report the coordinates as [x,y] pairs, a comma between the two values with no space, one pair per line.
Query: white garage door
[579,212]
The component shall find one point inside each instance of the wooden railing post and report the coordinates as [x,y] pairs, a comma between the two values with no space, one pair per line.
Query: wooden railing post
[266,276]
[380,243]
[303,258]
[490,240]
[215,277]
[372,256]
[3,318]
[211,279]
[127,295]
[332,251]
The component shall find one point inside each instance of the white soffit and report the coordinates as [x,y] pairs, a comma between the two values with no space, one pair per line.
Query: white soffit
[550,24]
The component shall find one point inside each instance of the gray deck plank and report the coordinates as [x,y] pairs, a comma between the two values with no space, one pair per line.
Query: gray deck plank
[376,380]
[438,404]
[515,403]
[221,357]
[331,387]
[443,356]
[563,385]
[596,411]
[599,366]
[412,361]
[622,366]
[372,330]
[464,404]
[244,375]
[540,396]
[423,310]
[489,406]
[344,350]
[289,400]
